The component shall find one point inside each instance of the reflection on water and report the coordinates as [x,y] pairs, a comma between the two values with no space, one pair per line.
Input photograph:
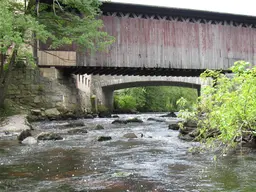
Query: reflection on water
[157,162]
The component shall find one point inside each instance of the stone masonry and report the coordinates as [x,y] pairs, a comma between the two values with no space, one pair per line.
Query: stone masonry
[46,88]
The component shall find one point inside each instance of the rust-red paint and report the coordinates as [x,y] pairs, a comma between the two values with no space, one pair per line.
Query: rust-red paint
[152,42]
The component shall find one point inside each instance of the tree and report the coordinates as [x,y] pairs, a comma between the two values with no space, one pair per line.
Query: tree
[23,22]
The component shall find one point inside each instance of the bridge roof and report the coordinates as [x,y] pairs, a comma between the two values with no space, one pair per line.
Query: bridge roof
[175,12]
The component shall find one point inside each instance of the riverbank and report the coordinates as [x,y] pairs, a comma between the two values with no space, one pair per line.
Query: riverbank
[13,125]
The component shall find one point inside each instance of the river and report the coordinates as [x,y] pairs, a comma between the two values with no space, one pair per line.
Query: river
[158,161]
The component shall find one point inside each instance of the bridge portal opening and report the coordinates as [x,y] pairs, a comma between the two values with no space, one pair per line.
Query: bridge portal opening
[152,98]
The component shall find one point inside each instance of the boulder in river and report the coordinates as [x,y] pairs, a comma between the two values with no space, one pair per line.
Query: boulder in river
[29,141]
[174,126]
[77,131]
[134,120]
[156,120]
[123,121]
[119,121]
[104,138]
[49,136]
[24,134]
[115,116]
[171,114]
[130,135]
[104,114]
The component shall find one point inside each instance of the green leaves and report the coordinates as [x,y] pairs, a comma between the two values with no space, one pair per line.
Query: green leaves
[154,98]
[230,105]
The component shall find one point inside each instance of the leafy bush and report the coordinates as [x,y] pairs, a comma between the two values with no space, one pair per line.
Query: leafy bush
[228,105]
[126,102]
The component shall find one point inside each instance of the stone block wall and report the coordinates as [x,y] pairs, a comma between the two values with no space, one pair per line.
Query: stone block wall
[46,88]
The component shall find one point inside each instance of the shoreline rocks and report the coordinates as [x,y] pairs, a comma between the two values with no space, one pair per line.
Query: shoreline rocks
[54,114]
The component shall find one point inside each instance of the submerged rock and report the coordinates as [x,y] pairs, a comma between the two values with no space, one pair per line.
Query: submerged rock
[171,114]
[29,141]
[99,127]
[130,135]
[76,131]
[24,134]
[49,136]
[104,138]
[174,126]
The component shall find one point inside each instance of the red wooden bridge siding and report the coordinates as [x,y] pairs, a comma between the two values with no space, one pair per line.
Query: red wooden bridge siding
[165,43]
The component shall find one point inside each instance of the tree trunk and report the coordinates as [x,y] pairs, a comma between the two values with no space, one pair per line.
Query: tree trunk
[2,96]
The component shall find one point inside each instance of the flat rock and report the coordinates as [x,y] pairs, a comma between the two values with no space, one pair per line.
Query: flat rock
[29,141]
[130,135]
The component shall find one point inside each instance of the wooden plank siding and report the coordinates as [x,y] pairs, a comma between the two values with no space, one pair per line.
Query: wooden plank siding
[57,58]
[162,43]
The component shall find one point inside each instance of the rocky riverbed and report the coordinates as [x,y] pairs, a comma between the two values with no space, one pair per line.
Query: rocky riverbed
[99,155]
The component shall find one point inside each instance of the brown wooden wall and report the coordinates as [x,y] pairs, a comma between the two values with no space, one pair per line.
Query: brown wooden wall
[162,43]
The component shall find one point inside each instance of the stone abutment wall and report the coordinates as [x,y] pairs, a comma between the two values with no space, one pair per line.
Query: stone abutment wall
[47,88]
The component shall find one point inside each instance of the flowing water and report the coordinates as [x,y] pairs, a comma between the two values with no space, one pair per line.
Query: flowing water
[158,161]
